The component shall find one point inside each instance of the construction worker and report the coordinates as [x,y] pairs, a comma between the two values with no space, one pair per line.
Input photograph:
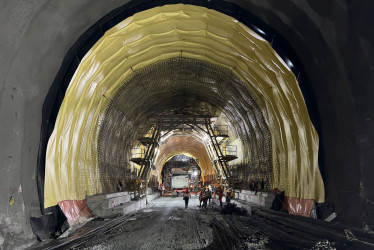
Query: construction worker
[202,195]
[205,198]
[163,190]
[228,196]
[186,198]
[209,194]
[219,192]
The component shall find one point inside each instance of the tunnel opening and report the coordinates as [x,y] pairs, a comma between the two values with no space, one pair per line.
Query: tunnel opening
[194,82]
[184,168]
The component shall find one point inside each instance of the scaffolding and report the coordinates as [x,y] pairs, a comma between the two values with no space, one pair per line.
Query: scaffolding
[164,124]
[127,123]
[144,155]
[229,153]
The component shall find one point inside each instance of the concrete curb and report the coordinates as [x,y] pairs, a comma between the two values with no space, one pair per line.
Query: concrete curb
[117,203]
[134,206]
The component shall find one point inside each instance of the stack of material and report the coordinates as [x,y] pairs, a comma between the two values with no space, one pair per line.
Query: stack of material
[228,233]
[232,208]
[297,232]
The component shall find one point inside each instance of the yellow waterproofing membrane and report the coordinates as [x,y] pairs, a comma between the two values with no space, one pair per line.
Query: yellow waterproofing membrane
[189,145]
[192,32]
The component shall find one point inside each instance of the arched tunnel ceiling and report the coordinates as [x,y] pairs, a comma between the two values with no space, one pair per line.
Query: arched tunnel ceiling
[190,32]
[173,87]
[190,145]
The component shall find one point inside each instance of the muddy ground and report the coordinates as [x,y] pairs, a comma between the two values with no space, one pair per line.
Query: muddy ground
[166,224]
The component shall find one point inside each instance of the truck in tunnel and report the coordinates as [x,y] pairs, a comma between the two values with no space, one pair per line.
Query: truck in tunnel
[179,182]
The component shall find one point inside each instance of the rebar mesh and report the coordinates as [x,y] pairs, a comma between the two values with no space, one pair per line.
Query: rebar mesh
[181,85]
[105,77]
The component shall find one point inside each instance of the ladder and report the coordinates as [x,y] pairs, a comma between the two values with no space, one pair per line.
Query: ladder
[146,163]
[217,149]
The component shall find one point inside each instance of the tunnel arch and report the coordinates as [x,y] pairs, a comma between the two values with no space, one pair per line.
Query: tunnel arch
[225,60]
[190,145]
[212,89]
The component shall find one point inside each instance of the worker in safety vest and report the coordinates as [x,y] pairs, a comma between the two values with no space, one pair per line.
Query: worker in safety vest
[219,192]
[163,190]
[186,198]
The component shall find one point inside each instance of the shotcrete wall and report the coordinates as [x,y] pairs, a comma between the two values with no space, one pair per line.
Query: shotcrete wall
[333,40]
[35,36]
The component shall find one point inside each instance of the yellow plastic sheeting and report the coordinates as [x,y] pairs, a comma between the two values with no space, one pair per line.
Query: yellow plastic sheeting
[189,145]
[193,32]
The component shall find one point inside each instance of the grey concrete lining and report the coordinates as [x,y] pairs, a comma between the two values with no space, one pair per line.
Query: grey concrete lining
[35,37]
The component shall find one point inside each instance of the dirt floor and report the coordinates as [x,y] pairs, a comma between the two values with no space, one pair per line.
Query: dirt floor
[166,224]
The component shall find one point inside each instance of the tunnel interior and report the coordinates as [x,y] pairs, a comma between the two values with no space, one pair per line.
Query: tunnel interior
[199,66]
[183,87]
[326,44]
